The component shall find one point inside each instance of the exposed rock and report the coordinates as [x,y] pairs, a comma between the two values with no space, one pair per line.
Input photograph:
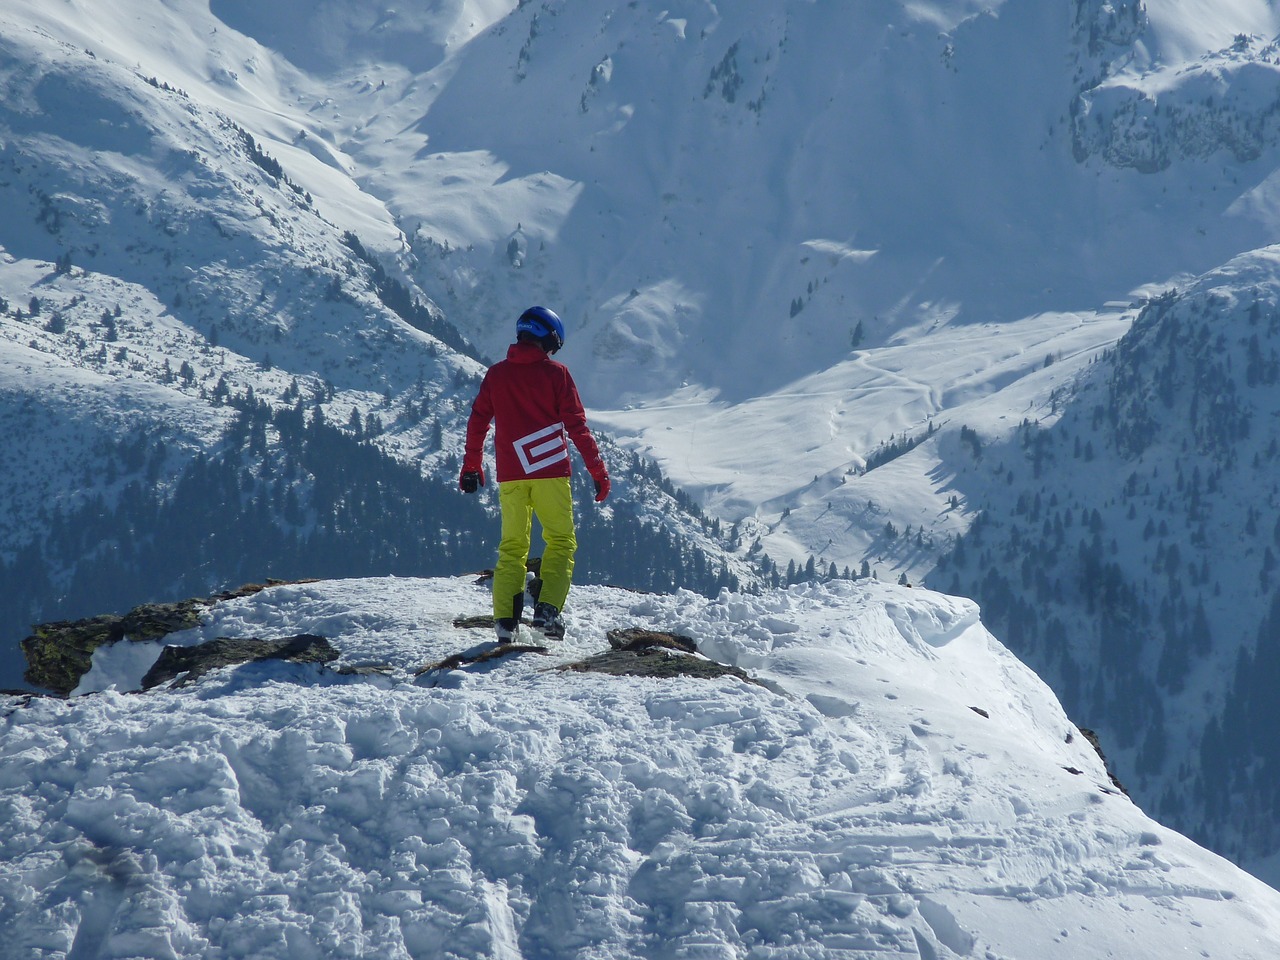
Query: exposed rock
[61,652]
[1097,745]
[634,652]
[653,653]
[186,665]
[637,638]
[656,662]
[249,589]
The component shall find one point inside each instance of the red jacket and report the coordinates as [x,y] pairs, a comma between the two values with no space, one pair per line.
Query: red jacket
[536,404]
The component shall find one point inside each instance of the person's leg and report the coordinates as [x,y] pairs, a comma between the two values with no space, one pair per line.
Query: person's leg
[513,549]
[553,503]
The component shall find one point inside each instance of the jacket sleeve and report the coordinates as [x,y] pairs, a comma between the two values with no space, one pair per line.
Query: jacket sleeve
[478,427]
[575,423]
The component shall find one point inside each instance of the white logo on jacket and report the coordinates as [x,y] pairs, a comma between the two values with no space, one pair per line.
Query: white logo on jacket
[541,449]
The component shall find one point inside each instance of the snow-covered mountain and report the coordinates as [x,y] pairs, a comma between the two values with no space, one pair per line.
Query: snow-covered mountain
[1128,546]
[819,262]
[894,783]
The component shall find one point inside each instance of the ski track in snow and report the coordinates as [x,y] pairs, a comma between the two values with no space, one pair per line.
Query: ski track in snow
[856,806]
[758,459]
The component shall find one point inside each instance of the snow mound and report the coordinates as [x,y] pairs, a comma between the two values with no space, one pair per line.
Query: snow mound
[899,784]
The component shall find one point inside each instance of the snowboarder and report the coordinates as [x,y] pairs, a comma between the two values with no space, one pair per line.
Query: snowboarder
[535,404]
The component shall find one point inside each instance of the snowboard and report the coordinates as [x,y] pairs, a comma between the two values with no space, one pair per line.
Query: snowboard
[482,653]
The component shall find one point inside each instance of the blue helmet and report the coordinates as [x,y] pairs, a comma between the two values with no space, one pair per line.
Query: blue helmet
[543,324]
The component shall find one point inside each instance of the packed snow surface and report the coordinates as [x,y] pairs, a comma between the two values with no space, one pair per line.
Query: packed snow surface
[896,784]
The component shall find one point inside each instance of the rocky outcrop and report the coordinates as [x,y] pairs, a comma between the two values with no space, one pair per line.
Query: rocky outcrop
[1229,101]
[180,666]
[651,653]
[635,639]
[1096,743]
[479,655]
[61,652]
[633,652]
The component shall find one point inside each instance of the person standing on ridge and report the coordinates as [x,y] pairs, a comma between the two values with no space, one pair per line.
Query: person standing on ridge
[535,404]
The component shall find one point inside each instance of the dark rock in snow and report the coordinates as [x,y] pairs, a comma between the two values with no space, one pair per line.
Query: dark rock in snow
[186,665]
[61,652]
[1094,742]
[655,662]
[479,655]
[636,638]
[650,653]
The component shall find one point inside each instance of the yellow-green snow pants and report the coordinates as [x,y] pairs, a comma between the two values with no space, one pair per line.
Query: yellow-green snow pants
[552,500]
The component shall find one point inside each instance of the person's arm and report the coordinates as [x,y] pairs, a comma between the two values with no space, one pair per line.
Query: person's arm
[477,429]
[574,418]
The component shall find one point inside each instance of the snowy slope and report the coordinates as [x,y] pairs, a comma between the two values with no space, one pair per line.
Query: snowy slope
[856,804]
[803,451]
[186,252]
[1128,552]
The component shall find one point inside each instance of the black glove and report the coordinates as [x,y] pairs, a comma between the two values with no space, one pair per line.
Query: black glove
[471,481]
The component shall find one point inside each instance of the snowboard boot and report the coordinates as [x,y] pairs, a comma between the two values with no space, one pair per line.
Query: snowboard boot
[546,618]
[508,627]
